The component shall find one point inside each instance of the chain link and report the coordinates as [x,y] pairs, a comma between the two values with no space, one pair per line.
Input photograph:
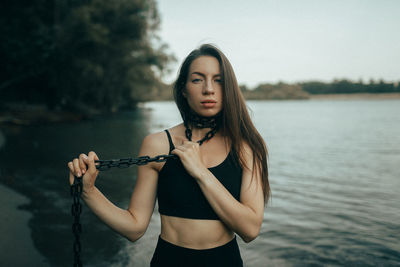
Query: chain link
[210,134]
[104,165]
[76,210]
[76,192]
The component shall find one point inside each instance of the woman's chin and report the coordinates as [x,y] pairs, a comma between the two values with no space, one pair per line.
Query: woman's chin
[208,112]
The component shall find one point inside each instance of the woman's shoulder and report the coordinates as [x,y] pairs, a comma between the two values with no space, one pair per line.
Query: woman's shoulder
[157,143]
[177,130]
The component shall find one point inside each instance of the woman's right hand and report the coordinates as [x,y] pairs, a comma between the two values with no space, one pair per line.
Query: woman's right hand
[84,165]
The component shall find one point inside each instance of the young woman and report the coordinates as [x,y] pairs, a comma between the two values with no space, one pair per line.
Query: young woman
[216,187]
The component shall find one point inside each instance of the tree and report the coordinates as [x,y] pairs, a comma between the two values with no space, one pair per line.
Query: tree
[93,54]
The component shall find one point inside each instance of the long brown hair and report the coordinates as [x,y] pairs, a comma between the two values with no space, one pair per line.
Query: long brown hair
[236,122]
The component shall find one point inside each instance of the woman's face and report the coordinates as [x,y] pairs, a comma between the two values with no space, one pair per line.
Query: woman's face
[203,90]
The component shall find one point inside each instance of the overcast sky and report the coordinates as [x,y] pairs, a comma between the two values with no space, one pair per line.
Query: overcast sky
[289,40]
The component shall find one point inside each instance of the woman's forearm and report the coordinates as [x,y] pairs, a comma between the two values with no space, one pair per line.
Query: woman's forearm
[237,216]
[120,220]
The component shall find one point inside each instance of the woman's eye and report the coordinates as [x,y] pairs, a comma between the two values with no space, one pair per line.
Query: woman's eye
[218,80]
[196,80]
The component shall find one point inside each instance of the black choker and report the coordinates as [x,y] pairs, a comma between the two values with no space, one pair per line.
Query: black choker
[201,122]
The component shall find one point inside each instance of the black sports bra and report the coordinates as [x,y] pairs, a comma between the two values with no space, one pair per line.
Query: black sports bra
[179,195]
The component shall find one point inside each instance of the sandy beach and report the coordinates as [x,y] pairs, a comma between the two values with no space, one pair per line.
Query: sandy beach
[16,244]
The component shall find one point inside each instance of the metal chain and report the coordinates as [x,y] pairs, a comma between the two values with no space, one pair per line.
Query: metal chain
[210,134]
[76,210]
[76,192]
[201,122]
[104,165]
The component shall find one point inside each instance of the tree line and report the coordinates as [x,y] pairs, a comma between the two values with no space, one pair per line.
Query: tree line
[80,54]
[303,90]
[348,87]
[276,91]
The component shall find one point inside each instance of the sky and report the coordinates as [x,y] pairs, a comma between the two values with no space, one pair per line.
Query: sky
[289,40]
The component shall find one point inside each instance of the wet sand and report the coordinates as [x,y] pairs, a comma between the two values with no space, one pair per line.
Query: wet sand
[16,244]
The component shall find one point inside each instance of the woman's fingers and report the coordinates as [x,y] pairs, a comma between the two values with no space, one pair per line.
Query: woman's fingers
[71,178]
[181,148]
[179,140]
[91,158]
[177,152]
[183,141]
[77,169]
[71,167]
[188,149]
[71,172]
[82,163]
[186,144]
[74,170]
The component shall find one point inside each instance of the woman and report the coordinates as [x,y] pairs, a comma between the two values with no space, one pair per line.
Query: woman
[216,187]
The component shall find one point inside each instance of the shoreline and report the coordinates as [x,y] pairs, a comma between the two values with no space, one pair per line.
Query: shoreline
[38,115]
[356,96]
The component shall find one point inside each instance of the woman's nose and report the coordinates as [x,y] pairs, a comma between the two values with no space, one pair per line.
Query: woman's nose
[208,88]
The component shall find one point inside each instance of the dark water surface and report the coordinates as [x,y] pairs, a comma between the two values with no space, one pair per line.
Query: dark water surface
[334,173]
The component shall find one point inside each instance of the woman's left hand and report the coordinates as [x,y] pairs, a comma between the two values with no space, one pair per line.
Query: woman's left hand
[190,156]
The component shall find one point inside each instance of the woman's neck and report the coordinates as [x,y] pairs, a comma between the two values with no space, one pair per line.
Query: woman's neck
[201,129]
[198,133]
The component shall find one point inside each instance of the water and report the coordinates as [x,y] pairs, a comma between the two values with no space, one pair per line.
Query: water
[333,172]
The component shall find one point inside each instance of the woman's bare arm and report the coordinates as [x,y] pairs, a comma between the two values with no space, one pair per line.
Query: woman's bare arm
[245,216]
[132,222]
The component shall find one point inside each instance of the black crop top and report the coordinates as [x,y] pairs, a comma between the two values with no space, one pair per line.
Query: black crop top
[179,195]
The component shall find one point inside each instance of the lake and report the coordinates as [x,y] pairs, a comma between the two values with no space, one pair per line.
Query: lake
[334,174]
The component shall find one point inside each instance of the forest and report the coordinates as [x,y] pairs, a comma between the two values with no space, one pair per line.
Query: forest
[80,55]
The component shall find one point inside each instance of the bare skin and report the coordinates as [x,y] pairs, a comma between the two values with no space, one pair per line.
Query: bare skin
[196,233]
[242,217]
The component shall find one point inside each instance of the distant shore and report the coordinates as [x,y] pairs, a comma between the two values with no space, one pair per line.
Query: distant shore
[38,114]
[356,96]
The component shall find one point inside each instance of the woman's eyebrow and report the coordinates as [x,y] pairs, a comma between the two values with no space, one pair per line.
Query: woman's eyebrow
[203,75]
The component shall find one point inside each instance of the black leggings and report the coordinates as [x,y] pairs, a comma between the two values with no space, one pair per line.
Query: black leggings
[167,254]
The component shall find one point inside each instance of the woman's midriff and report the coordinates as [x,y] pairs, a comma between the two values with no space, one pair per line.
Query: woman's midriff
[194,233]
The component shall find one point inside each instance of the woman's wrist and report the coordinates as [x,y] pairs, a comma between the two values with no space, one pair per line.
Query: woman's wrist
[87,192]
[203,175]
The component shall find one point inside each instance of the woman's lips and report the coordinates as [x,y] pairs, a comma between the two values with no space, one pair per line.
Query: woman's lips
[208,103]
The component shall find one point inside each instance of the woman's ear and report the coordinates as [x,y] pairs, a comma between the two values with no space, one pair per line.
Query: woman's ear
[183,86]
